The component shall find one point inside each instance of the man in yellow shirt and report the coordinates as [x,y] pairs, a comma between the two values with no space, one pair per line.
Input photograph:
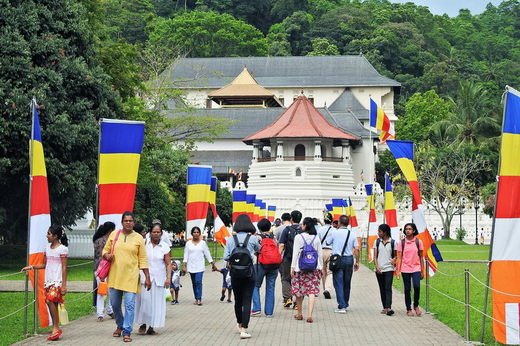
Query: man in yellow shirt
[128,257]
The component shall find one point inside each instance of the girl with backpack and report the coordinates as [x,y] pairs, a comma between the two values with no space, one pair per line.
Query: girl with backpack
[239,252]
[306,268]
[411,264]
[384,261]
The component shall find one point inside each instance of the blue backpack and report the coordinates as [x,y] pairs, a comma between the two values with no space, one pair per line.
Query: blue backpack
[308,260]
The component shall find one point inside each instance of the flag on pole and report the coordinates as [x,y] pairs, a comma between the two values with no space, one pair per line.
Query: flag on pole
[120,146]
[257,211]
[197,197]
[390,211]
[380,121]
[39,212]
[505,260]
[352,221]
[250,200]
[239,204]
[403,154]
[263,211]
[329,208]
[337,208]
[271,212]
[221,231]
[372,221]
[232,171]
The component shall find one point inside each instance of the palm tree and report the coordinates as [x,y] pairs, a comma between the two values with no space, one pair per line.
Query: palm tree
[470,123]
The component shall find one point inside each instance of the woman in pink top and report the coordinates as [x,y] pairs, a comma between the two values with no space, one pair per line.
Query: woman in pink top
[411,265]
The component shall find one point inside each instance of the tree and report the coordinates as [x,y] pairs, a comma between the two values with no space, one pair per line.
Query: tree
[49,54]
[205,34]
[321,46]
[128,18]
[295,26]
[421,111]
[224,205]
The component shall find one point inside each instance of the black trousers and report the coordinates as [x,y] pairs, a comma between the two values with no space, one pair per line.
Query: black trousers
[243,291]
[385,288]
[408,280]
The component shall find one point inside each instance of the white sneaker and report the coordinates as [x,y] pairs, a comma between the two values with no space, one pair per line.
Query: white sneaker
[340,311]
[245,335]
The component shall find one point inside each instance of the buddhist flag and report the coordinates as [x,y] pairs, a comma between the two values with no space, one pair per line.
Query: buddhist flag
[505,260]
[380,121]
[329,208]
[257,211]
[372,221]
[263,211]
[221,231]
[239,204]
[390,211]
[352,221]
[403,153]
[250,203]
[197,197]
[39,211]
[271,213]
[120,146]
[337,208]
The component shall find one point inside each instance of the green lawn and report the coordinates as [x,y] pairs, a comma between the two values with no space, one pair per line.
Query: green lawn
[446,310]
[11,328]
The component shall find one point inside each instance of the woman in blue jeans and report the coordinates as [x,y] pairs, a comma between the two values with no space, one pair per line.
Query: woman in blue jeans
[195,251]
[270,277]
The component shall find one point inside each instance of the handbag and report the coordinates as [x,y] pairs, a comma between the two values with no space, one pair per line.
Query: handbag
[335,260]
[63,315]
[102,288]
[104,266]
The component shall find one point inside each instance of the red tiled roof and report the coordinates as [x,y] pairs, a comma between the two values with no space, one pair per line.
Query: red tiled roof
[301,119]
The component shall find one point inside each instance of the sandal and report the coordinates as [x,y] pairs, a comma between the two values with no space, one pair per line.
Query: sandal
[117,333]
[55,336]
[310,320]
[298,317]
[100,319]
[127,338]
[150,331]
[142,330]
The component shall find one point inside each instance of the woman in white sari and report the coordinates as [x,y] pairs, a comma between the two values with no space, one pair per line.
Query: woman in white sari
[151,310]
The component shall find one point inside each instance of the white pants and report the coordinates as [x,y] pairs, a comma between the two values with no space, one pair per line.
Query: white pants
[100,303]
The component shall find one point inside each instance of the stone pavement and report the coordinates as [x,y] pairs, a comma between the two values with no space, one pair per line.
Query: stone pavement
[213,323]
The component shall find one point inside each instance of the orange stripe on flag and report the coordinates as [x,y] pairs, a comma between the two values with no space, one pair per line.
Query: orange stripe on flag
[502,273]
[37,258]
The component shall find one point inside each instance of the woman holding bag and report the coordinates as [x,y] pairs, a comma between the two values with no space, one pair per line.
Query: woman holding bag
[128,256]
[100,239]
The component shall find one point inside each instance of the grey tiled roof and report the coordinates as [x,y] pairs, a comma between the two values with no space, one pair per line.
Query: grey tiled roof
[249,120]
[286,71]
[347,102]
[222,161]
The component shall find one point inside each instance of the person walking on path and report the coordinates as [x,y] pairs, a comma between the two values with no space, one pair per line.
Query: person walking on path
[286,250]
[175,283]
[55,283]
[195,251]
[128,257]
[242,277]
[152,308]
[384,261]
[411,265]
[345,245]
[325,234]
[100,239]
[286,221]
[269,271]
[306,281]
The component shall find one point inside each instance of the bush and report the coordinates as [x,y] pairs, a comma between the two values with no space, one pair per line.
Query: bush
[461,233]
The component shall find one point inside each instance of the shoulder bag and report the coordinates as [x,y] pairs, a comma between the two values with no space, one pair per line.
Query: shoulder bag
[335,260]
[104,266]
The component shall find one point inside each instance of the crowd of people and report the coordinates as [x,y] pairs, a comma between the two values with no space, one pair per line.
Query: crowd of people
[311,258]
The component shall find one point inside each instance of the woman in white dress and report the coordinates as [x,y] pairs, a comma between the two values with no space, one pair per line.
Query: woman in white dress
[151,310]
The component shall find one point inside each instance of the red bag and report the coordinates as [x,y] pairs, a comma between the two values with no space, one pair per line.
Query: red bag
[269,256]
[104,266]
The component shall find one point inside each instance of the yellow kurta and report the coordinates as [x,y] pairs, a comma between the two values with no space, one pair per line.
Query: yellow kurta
[129,258]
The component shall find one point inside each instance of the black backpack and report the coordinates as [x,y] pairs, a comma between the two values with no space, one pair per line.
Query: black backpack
[392,243]
[240,260]
[292,233]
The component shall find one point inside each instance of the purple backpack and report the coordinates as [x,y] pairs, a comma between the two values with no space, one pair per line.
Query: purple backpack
[308,260]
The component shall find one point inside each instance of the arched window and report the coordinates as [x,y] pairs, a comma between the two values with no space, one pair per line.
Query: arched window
[299,152]
[298,172]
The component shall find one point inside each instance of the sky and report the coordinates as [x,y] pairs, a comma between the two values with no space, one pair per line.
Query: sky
[451,7]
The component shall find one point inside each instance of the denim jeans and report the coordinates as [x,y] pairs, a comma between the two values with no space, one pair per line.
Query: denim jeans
[270,280]
[123,322]
[342,279]
[196,282]
[408,279]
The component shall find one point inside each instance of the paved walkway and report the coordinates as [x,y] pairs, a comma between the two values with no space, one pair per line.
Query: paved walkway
[214,322]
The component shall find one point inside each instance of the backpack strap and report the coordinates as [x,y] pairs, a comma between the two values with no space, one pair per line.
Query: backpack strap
[417,244]
[392,244]
[235,238]
[244,244]
[345,245]
[304,242]
[326,233]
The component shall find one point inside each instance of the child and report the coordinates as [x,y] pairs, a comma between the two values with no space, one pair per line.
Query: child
[55,265]
[226,284]
[175,284]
